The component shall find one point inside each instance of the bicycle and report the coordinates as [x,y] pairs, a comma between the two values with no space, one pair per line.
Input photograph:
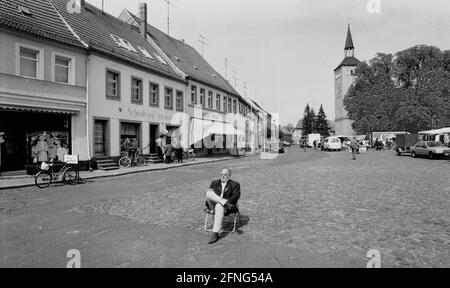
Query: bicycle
[139,160]
[189,154]
[46,175]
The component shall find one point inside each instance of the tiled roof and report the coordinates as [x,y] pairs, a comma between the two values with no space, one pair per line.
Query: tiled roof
[95,27]
[348,61]
[43,20]
[187,59]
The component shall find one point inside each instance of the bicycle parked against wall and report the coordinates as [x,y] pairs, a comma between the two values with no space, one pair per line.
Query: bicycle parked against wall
[48,175]
[132,157]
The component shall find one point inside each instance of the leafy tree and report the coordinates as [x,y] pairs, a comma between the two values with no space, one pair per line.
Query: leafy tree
[290,128]
[401,92]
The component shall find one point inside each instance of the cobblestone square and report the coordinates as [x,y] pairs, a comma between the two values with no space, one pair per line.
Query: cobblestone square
[320,203]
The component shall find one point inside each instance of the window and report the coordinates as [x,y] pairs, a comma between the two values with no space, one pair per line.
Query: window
[29,62]
[145,52]
[154,94]
[194,94]
[210,99]
[218,102]
[179,101]
[112,85]
[234,106]
[129,135]
[63,69]
[229,105]
[136,90]
[224,104]
[202,97]
[123,43]
[168,99]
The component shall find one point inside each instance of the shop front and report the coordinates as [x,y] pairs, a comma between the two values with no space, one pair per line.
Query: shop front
[130,136]
[31,137]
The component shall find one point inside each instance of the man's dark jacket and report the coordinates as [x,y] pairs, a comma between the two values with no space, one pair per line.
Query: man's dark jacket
[232,190]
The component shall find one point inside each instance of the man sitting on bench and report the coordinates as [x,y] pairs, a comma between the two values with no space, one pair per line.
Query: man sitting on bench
[222,197]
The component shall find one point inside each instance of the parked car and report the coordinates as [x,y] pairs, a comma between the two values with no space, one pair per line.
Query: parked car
[287,144]
[431,149]
[332,143]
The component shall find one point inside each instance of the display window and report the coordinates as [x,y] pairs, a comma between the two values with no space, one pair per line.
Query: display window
[129,136]
[48,146]
[33,137]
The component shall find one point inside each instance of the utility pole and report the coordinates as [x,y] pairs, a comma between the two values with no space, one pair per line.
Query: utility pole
[235,79]
[168,14]
[202,40]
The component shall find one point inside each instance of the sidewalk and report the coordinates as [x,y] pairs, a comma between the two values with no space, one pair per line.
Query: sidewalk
[28,180]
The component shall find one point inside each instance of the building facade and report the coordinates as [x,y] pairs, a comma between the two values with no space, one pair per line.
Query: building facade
[134,95]
[344,77]
[42,87]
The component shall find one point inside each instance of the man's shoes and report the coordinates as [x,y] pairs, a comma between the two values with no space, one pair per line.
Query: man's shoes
[214,238]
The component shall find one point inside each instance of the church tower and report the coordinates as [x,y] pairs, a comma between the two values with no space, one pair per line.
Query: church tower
[344,76]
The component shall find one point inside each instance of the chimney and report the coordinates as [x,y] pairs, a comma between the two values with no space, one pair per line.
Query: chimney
[143,19]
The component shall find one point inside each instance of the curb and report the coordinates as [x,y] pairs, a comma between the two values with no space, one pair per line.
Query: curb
[12,186]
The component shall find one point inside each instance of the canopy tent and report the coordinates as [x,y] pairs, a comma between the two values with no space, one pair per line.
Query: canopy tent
[436,131]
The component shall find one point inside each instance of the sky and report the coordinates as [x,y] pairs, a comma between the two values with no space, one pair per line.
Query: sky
[285,51]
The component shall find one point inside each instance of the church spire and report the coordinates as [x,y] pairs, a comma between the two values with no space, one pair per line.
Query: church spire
[349,48]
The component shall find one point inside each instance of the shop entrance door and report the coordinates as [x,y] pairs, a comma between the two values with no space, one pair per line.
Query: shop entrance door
[153,136]
[100,138]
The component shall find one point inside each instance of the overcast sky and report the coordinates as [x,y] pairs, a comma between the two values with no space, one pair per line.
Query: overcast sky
[286,50]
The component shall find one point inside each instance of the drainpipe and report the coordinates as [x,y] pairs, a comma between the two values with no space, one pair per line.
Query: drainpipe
[87,114]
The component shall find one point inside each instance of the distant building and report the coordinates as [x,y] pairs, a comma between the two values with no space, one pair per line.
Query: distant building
[344,77]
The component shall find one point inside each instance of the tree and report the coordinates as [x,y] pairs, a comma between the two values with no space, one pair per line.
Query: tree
[307,121]
[401,92]
[322,123]
[290,128]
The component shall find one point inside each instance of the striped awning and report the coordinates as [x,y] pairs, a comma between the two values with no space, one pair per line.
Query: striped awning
[39,109]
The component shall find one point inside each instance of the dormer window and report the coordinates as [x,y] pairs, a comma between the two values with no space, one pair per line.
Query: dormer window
[195,67]
[123,43]
[160,58]
[178,59]
[145,52]
[24,10]
[214,75]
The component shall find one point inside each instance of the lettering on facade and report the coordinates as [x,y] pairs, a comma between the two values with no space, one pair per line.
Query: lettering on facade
[142,114]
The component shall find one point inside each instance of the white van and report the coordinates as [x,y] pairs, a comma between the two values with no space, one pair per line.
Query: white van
[332,143]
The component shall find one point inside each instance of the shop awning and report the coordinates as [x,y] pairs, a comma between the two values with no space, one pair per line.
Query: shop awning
[40,109]
[223,129]
[436,131]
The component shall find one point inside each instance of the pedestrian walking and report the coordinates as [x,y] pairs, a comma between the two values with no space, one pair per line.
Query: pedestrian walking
[178,150]
[315,145]
[160,146]
[354,146]
[168,150]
